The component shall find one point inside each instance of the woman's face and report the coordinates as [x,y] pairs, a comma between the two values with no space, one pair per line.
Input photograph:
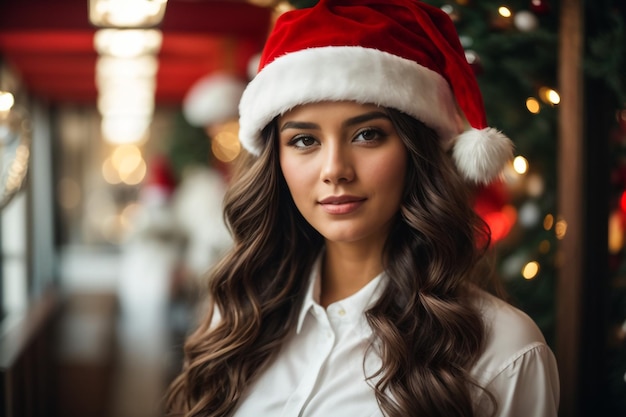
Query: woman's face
[345,166]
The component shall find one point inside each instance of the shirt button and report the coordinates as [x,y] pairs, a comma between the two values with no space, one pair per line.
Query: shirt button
[342,312]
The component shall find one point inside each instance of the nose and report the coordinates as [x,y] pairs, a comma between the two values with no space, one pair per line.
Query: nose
[337,165]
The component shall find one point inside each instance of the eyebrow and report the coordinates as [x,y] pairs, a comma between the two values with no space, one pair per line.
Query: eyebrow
[366,117]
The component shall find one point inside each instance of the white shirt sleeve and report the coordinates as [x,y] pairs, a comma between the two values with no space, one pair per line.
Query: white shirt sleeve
[526,385]
[517,366]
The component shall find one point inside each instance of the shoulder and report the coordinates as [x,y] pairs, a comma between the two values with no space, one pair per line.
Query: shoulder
[509,335]
[516,366]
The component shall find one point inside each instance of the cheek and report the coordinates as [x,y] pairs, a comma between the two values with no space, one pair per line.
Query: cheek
[294,175]
[389,173]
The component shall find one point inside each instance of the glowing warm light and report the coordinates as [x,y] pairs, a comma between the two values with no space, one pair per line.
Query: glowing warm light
[123,129]
[548,222]
[126,13]
[534,185]
[109,173]
[136,176]
[126,88]
[560,229]
[530,270]
[6,101]
[549,95]
[108,67]
[520,165]
[139,104]
[504,11]
[544,246]
[127,43]
[283,7]
[553,97]
[126,158]
[225,146]
[225,140]
[616,232]
[532,105]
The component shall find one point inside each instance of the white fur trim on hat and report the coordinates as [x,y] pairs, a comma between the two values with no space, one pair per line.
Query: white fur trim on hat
[345,73]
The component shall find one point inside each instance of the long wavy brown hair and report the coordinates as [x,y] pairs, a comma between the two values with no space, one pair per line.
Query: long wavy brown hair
[426,329]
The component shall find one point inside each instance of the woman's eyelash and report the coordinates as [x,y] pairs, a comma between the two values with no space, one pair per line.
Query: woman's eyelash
[299,141]
[373,133]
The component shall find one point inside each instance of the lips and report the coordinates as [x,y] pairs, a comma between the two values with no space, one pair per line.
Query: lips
[342,204]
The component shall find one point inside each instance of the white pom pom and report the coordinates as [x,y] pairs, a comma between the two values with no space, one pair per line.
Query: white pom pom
[480,155]
[213,98]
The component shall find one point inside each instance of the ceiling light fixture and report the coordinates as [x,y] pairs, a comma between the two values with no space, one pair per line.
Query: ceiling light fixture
[127,43]
[126,13]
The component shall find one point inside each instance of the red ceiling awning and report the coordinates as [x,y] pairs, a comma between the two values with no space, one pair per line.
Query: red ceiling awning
[49,44]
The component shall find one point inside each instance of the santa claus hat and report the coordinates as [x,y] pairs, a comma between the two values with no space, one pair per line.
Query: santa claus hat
[213,99]
[402,54]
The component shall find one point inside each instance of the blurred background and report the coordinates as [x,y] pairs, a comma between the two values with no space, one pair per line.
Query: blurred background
[118,134]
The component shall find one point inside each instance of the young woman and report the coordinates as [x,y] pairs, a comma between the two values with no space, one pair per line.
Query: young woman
[354,286]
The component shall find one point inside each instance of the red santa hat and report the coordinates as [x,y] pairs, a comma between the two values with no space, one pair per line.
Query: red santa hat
[213,99]
[402,54]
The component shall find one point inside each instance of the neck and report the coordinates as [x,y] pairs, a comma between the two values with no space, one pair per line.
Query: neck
[348,268]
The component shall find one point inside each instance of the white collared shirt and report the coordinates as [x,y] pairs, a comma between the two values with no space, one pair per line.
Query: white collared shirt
[321,370]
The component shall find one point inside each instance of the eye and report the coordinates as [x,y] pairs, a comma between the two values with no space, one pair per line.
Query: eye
[369,135]
[302,142]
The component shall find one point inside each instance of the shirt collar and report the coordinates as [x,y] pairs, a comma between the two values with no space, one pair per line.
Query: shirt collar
[313,291]
[358,302]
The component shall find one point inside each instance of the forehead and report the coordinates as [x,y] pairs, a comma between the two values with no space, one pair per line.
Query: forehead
[326,108]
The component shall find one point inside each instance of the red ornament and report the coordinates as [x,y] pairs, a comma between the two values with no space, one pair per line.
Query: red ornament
[491,203]
[540,6]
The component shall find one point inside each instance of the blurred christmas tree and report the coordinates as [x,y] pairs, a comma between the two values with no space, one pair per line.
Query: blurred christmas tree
[512,47]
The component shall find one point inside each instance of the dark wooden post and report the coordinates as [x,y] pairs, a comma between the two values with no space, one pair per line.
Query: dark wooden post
[570,203]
